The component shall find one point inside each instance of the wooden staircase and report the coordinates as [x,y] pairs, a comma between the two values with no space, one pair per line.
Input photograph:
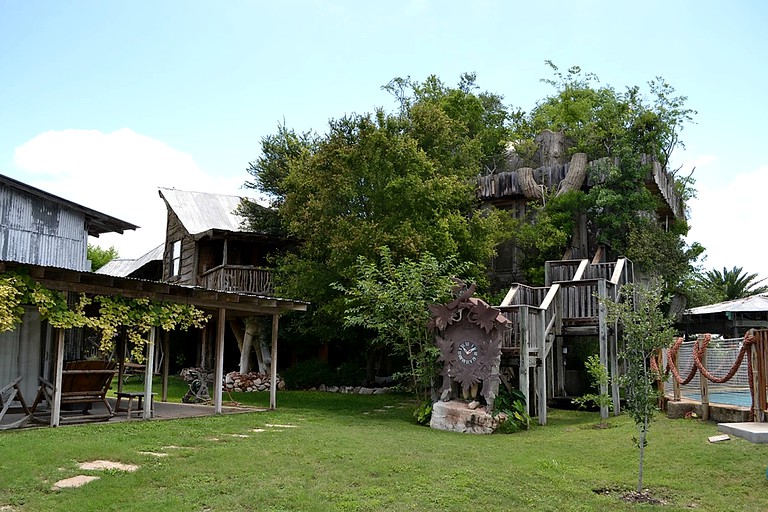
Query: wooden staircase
[569,305]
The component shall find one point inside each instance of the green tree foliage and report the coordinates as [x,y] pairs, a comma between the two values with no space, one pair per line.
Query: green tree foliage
[100,257]
[613,128]
[645,329]
[391,300]
[730,284]
[404,180]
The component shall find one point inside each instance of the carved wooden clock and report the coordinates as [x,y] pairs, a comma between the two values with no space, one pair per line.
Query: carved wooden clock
[468,333]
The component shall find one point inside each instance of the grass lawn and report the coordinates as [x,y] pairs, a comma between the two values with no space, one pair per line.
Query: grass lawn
[322,451]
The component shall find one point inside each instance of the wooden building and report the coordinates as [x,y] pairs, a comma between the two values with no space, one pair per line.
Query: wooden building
[46,238]
[40,228]
[207,244]
[731,319]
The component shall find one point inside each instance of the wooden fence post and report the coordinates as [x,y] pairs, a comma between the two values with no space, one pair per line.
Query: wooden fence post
[703,382]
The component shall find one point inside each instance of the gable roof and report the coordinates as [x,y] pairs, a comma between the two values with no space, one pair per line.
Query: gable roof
[747,304]
[98,223]
[200,212]
[125,267]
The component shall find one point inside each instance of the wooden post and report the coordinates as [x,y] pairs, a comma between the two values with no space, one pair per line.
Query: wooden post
[218,374]
[541,369]
[120,362]
[166,363]
[703,382]
[273,365]
[524,357]
[675,384]
[602,333]
[149,372]
[757,408]
[762,371]
[615,395]
[57,379]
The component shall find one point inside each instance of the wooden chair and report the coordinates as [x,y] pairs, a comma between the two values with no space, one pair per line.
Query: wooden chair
[9,394]
[83,382]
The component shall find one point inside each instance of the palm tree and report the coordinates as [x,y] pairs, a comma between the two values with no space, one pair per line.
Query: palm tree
[731,284]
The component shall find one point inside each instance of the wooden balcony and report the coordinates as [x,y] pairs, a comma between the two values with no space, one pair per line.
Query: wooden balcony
[239,278]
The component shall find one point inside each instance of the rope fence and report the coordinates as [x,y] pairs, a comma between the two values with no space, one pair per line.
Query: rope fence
[731,371]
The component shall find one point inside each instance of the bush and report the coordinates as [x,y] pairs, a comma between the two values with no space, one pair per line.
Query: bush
[314,372]
[307,374]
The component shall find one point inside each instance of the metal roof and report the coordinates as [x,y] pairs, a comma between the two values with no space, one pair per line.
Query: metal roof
[745,305]
[125,267]
[201,211]
[98,223]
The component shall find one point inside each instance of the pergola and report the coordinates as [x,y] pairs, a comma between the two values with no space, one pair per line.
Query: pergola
[223,304]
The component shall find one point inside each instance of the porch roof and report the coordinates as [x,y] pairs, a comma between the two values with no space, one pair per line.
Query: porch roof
[236,303]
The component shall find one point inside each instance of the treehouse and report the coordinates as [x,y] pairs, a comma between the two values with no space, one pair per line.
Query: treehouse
[555,325]
[208,245]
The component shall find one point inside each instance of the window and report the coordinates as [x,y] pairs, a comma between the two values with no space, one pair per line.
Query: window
[176,258]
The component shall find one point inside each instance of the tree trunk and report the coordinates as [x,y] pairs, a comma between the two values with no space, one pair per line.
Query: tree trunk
[528,184]
[253,334]
[577,172]
[552,148]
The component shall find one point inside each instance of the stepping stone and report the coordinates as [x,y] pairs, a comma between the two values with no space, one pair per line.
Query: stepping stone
[97,465]
[75,481]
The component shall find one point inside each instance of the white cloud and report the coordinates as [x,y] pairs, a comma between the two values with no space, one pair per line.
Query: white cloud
[118,174]
[729,221]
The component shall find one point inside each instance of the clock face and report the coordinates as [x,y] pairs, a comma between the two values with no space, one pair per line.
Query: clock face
[467,353]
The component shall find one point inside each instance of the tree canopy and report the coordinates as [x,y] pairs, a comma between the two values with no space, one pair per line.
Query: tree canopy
[403,180]
[406,180]
[100,257]
[619,128]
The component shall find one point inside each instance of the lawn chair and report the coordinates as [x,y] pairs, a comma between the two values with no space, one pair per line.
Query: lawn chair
[9,394]
[198,389]
[83,383]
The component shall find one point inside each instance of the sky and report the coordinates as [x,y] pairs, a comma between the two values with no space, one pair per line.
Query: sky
[103,102]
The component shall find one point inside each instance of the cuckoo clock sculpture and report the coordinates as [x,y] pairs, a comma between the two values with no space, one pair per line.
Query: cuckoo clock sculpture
[468,333]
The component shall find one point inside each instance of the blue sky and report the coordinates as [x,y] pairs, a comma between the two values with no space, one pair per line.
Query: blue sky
[103,101]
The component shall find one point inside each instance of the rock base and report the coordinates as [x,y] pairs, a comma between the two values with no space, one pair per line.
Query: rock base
[456,416]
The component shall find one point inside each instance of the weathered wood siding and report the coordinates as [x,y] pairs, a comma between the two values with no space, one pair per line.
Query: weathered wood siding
[40,232]
[176,231]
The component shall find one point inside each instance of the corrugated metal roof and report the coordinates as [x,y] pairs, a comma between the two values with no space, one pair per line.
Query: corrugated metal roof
[201,211]
[125,267]
[747,304]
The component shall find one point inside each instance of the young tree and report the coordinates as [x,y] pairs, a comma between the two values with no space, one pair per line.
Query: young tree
[392,301]
[646,329]
[100,257]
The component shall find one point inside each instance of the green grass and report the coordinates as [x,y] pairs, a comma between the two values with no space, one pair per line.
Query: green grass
[350,452]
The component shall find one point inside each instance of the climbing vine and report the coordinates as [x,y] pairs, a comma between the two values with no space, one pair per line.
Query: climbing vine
[137,316]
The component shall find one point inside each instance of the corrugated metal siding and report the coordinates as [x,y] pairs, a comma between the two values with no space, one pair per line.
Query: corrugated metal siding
[40,232]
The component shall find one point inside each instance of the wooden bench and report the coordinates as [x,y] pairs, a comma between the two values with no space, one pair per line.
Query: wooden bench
[130,396]
[83,382]
[9,394]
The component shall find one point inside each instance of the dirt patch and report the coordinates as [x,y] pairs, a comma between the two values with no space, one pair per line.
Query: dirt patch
[75,481]
[154,454]
[633,496]
[100,465]
[280,426]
